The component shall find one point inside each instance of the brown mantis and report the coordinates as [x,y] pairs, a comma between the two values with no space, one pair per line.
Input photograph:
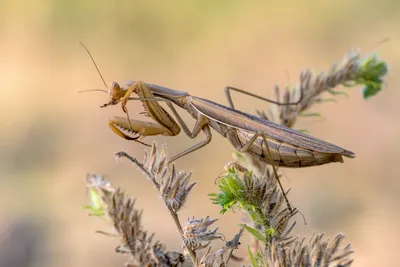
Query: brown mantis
[247,133]
[263,140]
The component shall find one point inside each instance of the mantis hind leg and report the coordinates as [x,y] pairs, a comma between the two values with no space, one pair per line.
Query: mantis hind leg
[229,97]
[246,148]
[202,124]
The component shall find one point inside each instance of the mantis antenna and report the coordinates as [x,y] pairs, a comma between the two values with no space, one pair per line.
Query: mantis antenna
[93,90]
[94,62]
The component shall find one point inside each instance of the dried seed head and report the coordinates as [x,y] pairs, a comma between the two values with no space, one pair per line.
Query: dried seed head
[173,185]
[214,259]
[126,220]
[262,191]
[311,85]
[196,233]
[221,256]
[259,196]
[316,253]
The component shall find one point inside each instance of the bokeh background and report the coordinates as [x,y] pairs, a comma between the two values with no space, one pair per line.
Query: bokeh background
[51,136]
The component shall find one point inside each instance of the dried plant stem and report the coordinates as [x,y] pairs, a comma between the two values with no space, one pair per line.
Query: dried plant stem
[351,72]
[229,257]
[174,215]
[192,254]
[133,160]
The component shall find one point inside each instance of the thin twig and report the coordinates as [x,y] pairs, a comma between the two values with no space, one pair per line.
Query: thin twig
[174,216]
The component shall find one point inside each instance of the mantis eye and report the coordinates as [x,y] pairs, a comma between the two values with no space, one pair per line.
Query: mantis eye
[115,86]
[114,91]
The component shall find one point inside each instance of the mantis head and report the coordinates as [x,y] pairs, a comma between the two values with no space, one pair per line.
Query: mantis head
[116,93]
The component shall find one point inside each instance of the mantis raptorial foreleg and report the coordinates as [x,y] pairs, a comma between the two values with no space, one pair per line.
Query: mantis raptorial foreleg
[229,97]
[134,129]
[165,124]
[121,126]
[152,108]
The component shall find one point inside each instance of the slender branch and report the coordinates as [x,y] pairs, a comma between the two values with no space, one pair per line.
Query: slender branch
[192,254]
[174,215]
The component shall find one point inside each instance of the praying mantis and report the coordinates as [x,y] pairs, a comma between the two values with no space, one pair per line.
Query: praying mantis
[261,139]
[246,133]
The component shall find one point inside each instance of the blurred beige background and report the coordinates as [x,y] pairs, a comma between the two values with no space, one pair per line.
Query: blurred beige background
[51,136]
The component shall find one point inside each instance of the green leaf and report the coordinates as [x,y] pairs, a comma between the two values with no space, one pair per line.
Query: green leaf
[95,212]
[371,71]
[253,260]
[96,204]
[333,92]
[95,199]
[270,232]
[255,233]
[98,213]
[369,91]
[231,189]
[310,114]
[372,68]
[326,100]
